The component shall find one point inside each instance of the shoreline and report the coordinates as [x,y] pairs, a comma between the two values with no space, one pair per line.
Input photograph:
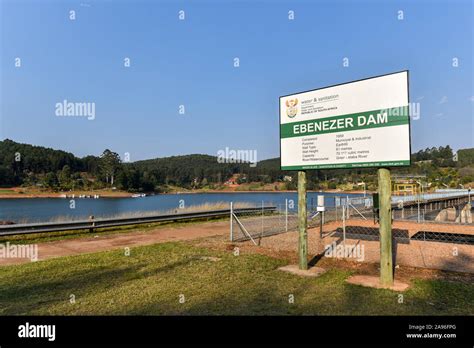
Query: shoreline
[63,194]
[263,191]
[129,195]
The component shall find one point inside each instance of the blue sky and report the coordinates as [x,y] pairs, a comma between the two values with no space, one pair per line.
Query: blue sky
[190,63]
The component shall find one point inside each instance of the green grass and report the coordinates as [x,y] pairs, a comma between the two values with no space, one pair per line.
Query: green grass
[152,278]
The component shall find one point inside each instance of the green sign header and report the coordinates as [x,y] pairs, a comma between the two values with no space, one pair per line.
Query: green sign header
[361,120]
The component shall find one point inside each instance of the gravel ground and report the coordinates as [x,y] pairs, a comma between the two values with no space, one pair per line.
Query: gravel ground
[413,253]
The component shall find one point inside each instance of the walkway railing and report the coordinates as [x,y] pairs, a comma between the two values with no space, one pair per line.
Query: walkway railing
[430,196]
[92,224]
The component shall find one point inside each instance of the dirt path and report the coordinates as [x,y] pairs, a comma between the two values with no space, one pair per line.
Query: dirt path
[98,243]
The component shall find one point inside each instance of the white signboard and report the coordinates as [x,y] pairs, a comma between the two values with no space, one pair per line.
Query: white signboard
[359,124]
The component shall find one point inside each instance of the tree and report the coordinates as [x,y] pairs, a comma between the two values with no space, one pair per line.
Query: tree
[109,165]
[7,176]
[65,177]
[465,157]
[50,180]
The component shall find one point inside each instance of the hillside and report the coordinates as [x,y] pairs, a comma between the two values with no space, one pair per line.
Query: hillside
[50,169]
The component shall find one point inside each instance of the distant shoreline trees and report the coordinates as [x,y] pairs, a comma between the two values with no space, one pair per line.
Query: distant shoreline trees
[28,165]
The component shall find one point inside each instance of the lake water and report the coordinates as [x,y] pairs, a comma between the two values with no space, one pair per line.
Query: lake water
[45,209]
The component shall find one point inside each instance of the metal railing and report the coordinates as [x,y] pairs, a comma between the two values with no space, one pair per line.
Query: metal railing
[431,196]
[92,224]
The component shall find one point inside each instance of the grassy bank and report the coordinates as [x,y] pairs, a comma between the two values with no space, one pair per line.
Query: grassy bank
[152,278]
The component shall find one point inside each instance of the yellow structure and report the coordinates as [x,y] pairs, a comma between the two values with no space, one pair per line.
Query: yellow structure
[405,187]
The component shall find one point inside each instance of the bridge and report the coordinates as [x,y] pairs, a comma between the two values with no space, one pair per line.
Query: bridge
[426,206]
[431,205]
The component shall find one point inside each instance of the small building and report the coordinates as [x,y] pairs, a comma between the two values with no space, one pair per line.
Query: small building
[401,189]
[233,180]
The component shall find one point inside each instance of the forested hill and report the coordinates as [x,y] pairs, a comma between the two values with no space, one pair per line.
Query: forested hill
[36,159]
[24,164]
[184,169]
[188,168]
[28,165]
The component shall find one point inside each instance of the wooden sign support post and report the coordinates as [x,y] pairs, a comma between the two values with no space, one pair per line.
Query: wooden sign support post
[302,222]
[385,220]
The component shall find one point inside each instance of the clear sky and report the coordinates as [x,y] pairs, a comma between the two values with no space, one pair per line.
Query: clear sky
[191,62]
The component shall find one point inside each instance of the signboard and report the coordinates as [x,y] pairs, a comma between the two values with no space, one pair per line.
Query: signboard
[358,124]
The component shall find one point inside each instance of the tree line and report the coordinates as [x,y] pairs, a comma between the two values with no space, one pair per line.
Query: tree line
[28,165]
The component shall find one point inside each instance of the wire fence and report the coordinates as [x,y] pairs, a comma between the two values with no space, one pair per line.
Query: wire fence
[441,221]
[422,236]
[355,218]
[252,225]
[416,241]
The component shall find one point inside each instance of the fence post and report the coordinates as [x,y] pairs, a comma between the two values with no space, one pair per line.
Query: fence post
[286,214]
[344,224]
[321,223]
[91,219]
[418,216]
[347,207]
[231,221]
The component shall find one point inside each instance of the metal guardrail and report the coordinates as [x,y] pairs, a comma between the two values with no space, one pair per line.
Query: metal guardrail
[407,200]
[430,196]
[427,198]
[92,224]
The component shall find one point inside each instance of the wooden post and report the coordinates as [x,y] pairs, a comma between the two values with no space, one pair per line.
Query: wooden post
[303,234]
[385,220]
